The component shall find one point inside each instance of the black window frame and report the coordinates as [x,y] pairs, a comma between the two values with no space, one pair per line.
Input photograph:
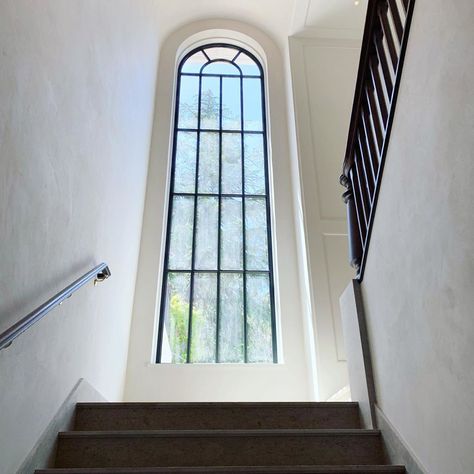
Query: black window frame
[241,131]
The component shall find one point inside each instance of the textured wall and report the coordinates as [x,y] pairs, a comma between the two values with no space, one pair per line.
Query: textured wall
[418,284]
[323,73]
[77,81]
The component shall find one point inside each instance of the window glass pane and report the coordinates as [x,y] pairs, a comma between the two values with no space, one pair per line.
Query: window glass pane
[221,67]
[231,163]
[252,104]
[185,164]
[219,52]
[259,319]
[210,103]
[188,102]
[256,246]
[194,63]
[254,161]
[176,318]
[231,234]
[203,333]
[218,232]
[181,235]
[208,179]
[231,103]
[231,318]
[247,65]
[206,233]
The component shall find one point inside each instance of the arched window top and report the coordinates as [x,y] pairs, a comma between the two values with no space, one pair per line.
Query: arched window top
[217,302]
[221,67]
[220,59]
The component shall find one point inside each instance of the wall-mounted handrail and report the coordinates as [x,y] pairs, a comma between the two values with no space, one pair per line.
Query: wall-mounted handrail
[383,50]
[99,273]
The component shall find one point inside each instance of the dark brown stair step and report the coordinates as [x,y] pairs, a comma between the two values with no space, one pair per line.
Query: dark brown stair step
[233,470]
[219,448]
[188,416]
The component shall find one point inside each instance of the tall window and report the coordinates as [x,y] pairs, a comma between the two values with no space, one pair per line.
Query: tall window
[217,302]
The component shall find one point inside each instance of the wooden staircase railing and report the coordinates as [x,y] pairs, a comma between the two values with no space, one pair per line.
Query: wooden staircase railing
[378,80]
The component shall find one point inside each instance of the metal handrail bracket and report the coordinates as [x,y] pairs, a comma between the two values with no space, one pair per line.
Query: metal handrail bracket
[99,273]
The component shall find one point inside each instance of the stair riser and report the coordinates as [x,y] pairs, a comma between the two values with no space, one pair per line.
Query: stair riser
[146,451]
[193,418]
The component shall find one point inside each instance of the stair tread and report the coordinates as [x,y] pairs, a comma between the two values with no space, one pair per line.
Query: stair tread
[232,469]
[218,433]
[215,404]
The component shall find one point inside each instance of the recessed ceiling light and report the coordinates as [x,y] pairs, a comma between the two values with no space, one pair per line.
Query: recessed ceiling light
[356,2]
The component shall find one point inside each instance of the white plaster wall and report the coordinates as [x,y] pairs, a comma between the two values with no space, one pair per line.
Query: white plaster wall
[306,294]
[418,284]
[77,85]
[323,77]
[288,380]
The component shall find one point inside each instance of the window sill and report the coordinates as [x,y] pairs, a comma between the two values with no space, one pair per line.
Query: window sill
[218,366]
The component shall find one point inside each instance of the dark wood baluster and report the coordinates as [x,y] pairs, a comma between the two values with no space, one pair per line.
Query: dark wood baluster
[369,150]
[377,83]
[387,77]
[374,115]
[405,5]
[364,195]
[370,138]
[358,205]
[365,181]
[367,165]
[396,19]
[387,32]
[355,243]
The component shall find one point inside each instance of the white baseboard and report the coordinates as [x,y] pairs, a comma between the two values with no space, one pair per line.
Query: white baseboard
[397,450]
[43,453]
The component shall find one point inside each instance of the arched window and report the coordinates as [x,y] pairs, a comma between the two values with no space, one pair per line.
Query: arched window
[217,302]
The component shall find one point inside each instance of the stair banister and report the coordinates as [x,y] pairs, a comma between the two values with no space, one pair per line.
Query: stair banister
[378,79]
[99,273]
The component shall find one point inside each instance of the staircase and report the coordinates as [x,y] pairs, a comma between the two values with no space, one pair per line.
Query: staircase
[224,438]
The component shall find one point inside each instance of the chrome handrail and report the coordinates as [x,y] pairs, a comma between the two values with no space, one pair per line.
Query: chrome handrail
[99,273]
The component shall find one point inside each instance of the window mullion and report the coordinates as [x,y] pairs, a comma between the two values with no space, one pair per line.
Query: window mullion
[244,262]
[236,56]
[193,252]
[219,225]
[256,272]
[255,132]
[224,195]
[205,54]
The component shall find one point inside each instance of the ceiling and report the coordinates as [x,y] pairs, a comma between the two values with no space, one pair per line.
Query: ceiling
[271,16]
[278,18]
[329,18]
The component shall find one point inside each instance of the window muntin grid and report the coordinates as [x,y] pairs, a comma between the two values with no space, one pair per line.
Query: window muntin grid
[217,302]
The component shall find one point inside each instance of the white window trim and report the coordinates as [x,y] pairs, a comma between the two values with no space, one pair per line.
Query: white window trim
[290,378]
